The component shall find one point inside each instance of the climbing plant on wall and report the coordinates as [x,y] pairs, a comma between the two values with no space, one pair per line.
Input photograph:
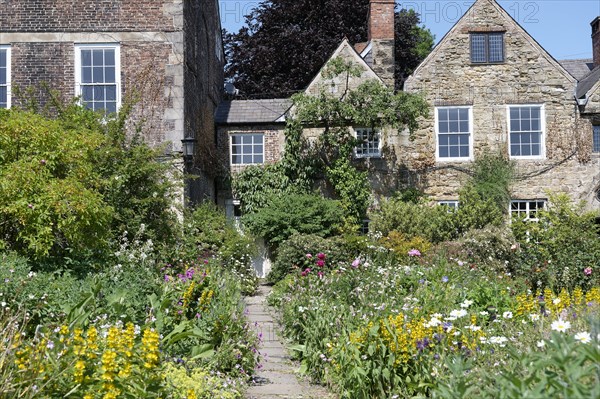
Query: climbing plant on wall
[328,160]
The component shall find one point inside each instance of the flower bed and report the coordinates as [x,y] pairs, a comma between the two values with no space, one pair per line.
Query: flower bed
[440,328]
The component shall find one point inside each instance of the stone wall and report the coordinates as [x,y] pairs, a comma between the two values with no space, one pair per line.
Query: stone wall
[527,76]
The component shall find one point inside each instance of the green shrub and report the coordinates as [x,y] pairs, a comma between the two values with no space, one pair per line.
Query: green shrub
[291,255]
[562,249]
[295,214]
[433,223]
[400,245]
[492,245]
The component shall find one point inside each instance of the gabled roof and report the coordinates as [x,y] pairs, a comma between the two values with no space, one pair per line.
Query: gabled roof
[252,111]
[348,49]
[578,68]
[587,83]
[464,20]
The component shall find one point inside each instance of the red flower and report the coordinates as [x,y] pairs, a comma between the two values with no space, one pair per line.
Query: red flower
[321,255]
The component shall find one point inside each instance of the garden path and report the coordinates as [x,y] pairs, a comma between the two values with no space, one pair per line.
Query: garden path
[276,379]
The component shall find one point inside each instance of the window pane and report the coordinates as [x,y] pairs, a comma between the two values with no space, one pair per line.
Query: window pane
[86,57]
[2,58]
[496,47]
[443,127]
[443,152]
[86,75]
[235,139]
[258,159]
[463,113]
[99,93]
[109,57]
[258,149]
[2,75]
[247,159]
[111,93]
[454,152]
[478,47]
[444,139]
[247,139]
[515,150]
[464,151]
[443,114]
[87,93]
[98,75]
[453,114]
[109,75]
[236,159]
[111,106]
[98,57]
[596,139]
[3,97]
[453,127]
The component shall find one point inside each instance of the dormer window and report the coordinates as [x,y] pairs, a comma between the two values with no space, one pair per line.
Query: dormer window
[487,47]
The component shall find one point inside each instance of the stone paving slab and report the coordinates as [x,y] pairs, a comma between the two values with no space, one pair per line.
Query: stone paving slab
[276,379]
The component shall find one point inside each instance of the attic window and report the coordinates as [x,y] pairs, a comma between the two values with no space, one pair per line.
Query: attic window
[487,47]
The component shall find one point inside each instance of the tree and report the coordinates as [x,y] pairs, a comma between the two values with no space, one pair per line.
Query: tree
[286,42]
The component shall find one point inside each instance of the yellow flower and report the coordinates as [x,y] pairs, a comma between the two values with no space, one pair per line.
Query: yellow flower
[150,348]
[78,371]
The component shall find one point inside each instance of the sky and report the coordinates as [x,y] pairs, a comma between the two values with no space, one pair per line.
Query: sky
[562,27]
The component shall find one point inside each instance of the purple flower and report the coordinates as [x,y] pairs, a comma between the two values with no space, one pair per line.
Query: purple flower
[414,252]
[356,263]
[321,256]
[587,271]
[445,279]
[167,278]
[422,344]
[320,263]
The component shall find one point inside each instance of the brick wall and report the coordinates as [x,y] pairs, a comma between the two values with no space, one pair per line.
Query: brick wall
[86,15]
[596,41]
[35,65]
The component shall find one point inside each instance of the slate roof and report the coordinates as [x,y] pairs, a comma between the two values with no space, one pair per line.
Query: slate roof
[252,111]
[588,82]
[578,68]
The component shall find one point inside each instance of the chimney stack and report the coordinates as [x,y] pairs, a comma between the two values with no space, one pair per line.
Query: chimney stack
[596,41]
[381,37]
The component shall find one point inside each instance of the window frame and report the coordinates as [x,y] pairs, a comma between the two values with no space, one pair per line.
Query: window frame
[486,48]
[253,154]
[379,143]
[527,211]
[595,139]
[542,154]
[79,47]
[437,134]
[451,204]
[7,47]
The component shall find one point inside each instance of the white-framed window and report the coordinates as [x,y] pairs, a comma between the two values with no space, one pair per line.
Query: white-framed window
[247,148]
[368,142]
[4,76]
[526,209]
[487,47]
[596,139]
[526,127]
[454,128]
[98,76]
[452,205]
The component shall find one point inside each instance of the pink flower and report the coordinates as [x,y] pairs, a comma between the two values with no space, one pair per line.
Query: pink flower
[356,262]
[587,271]
[320,263]
[308,256]
[321,255]
[414,252]
[43,162]
[320,274]
[306,271]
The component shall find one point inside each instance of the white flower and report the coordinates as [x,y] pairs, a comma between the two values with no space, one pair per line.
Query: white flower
[507,315]
[583,337]
[556,301]
[473,328]
[534,316]
[466,303]
[541,344]
[498,340]
[560,325]
[434,322]
[458,313]
[483,313]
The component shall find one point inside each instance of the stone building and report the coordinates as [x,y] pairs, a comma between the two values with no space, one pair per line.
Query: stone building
[491,88]
[166,53]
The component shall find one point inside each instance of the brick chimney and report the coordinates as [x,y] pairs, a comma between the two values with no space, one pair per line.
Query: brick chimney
[381,37]
[596,41]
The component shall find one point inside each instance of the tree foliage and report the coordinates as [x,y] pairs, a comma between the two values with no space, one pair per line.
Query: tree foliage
[286,42]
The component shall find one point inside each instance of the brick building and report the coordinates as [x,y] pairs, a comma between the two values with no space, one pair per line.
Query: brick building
[490,87]
[167,53]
